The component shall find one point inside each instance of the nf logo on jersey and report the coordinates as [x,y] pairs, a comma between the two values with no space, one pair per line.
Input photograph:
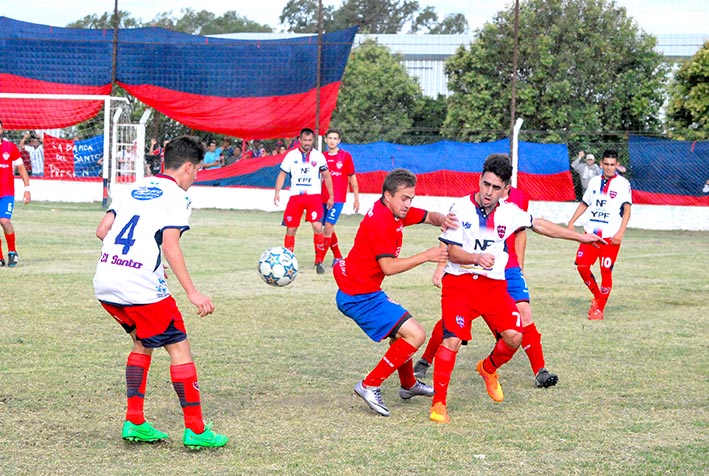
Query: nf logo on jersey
[501,231]
[146,193]
[613,193]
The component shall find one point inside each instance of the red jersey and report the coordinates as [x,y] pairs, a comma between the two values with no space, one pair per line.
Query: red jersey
[341,168]
[9,157]
[519,198]
[380,234]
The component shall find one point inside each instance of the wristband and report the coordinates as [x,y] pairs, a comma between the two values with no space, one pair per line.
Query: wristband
[27,188]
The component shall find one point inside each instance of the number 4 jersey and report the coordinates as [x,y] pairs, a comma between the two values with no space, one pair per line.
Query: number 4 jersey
[130,270]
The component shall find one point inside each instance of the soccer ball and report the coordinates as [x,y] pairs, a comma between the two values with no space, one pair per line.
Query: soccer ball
[278,266]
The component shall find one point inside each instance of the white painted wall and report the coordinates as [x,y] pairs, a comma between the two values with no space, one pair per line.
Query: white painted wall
[649,217]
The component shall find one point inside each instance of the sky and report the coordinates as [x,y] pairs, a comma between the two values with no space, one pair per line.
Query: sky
[658,17]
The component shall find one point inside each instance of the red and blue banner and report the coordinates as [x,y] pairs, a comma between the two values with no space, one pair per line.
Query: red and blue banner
[445,168]
[68,159]
[668,172]
[253,89]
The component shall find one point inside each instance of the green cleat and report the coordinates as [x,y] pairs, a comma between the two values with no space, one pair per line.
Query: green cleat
[145,432]
[206,439]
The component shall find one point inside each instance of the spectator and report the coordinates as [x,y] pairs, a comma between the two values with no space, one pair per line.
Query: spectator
[233,156]
[153,159]
[35,149]
[586,170]
[212,158]
[706,187]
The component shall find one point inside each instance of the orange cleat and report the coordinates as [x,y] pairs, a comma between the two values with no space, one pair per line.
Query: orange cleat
[491,383]
[439,414]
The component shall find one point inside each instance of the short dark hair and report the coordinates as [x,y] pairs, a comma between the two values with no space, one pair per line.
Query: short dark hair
[306,131]
[396,178]
[333,131]
[499,164]
[183,149]
[610,153]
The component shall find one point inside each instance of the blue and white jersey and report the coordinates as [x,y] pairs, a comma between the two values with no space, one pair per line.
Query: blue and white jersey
[605,199]
[130,269]
[482,233]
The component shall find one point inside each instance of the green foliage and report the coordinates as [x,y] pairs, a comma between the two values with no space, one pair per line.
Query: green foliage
[376,96]
[105,21]
[583,67]
[688,110]
[372,16]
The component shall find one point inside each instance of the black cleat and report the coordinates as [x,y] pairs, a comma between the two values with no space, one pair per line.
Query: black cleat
[544,379]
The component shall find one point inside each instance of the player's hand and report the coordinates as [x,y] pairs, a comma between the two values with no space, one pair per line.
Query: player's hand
[592,239]
[437,278]
[486,260]
[451,221]
[330,202]
[356,205]
[27,197]
[437,254]
[277,198]
[570,226]
[617,238]
[203,303]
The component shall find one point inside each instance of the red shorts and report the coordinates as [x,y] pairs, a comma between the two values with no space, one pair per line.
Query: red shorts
[156,324]
[468,296]
[297,204]
[587,254]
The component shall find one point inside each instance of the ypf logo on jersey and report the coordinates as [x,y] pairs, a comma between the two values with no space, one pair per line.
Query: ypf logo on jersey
[501,231]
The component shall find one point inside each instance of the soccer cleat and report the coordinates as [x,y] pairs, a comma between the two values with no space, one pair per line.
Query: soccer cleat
[12,259]
[319,268]
[594,309]
[492,384]
[207,439]
[439,414]
[419,388]
[596,316]
[372,396]
[145,432]
[2,262]
[421,368]
[545,379]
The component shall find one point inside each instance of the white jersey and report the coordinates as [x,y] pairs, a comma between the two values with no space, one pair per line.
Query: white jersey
[481,233]
[130,269]
[304,170]
[605,199]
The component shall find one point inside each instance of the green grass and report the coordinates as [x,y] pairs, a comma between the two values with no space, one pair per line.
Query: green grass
[277,366]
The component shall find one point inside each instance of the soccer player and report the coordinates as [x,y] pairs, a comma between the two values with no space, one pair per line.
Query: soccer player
[474,281]
[374,255]
[518,290]
[342,170]
[10,158]
[130,284]
[608,200]
[306,167]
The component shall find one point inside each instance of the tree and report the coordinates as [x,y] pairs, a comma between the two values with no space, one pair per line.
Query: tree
[584,66]
[688,110]
[376,96]
[105,21]
[372,16]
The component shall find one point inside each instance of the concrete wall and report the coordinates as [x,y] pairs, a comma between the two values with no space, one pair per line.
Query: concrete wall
[649,217]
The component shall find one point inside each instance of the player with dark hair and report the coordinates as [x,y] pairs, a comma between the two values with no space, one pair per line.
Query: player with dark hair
[608,199]
[374,255]
[130,284]
[342,170]
[517,288]
[474,281]
[306,167]
[10,159]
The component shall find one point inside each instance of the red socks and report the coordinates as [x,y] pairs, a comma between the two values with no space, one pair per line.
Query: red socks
[442,370]
[433,342]
[10,242]
[500,355]
[184,380]
[289,242]
[335,246]
[137,368]
[532,345]
[399,352]
[319,245]
[406,374]
[589,280]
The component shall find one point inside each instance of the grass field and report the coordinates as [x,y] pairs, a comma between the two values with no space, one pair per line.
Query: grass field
[277,366]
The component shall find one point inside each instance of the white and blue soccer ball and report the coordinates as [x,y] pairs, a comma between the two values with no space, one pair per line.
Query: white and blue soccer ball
[278,266]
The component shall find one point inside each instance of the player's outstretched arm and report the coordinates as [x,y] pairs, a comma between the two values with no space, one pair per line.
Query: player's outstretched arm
[176,260]
[392,265]
[105,225]
[552,230]
[579,211]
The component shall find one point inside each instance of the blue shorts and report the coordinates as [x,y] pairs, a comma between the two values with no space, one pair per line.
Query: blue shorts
[333,214]
[377,315]
[517,285]
[6,206]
